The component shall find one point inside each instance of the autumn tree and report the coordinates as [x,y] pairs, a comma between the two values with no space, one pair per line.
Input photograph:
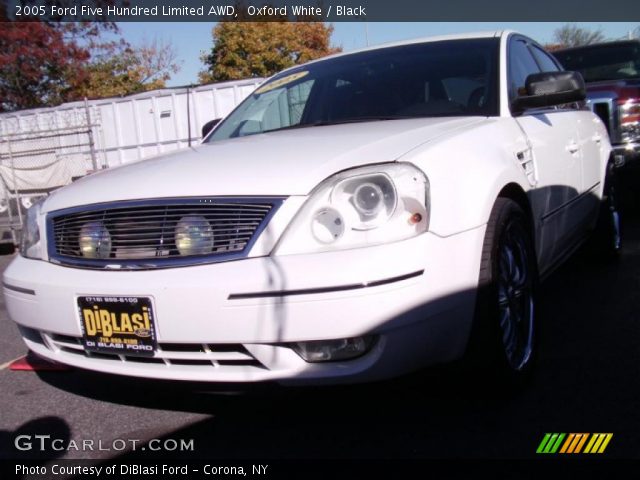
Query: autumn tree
[260,49]
[571,35]
[48,63]
[36,60]
[118,68]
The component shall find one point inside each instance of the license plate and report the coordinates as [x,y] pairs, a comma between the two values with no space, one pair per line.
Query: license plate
[117,325]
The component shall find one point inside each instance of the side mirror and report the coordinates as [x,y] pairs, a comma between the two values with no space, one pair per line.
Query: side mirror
[549,89]
[207,127]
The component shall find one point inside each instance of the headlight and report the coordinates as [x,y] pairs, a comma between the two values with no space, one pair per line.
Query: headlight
[95,240]
[30,246]
[361,207]
[194,236]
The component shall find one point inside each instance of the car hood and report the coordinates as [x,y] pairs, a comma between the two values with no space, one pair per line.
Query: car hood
[282,163]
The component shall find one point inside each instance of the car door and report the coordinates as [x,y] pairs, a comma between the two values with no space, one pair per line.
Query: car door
[592,137]
[553,145]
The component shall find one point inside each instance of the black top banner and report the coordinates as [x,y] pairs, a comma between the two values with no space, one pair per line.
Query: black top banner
[324,10]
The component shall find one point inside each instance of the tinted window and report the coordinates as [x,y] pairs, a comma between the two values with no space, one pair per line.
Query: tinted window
[603,62]
[450,78]
[544,60]
[521,65]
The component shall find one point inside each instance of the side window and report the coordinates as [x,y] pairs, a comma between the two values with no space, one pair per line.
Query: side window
[544,60]
[521,65]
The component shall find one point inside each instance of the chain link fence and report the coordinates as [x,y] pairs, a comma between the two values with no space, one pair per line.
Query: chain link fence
[42,152]
[47,148]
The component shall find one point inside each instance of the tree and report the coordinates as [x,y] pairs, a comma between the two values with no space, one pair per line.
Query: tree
[48,63]
[571,35]
[260,49]
[117,68]
[35,62]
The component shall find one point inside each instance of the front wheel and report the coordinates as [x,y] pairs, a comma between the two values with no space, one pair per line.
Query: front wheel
[504,324]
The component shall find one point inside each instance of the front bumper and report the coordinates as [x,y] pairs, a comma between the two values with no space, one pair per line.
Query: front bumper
[228,321]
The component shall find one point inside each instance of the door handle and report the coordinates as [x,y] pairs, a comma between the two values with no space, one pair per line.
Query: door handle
[572,147]
[597,138]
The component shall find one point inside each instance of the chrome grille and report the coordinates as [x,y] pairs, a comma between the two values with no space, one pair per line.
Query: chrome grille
[143,233]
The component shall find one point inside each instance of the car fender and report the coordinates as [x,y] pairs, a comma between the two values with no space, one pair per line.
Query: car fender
[467,172]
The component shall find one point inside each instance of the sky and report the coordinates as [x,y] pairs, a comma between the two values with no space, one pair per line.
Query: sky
[191,38]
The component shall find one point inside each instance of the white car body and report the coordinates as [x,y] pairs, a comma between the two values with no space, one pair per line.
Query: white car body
[416,296]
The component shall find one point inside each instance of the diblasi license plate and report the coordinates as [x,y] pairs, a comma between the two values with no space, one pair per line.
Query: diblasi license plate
[117,324]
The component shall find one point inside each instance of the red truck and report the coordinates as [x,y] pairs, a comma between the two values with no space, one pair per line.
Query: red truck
[612,73]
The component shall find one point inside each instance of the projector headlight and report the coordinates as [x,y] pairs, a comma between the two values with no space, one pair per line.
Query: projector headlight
[194,236]
[361,207]
[95,240]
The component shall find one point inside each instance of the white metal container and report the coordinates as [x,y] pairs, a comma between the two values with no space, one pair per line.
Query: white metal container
[126,129]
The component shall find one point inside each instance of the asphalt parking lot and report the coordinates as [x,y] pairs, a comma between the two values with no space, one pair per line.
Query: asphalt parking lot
[587,381]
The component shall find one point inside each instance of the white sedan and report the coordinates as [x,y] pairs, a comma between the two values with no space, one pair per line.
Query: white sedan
[355,218]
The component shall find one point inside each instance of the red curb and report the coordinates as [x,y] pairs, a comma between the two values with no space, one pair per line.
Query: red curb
[33,363]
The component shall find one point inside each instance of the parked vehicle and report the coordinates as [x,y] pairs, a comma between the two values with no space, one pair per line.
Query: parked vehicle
[612,73]
[355,218]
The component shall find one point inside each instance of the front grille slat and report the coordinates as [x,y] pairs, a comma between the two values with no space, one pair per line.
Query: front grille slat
[140,231]
[160,218]
[159,213]
[168,354]
[144,225]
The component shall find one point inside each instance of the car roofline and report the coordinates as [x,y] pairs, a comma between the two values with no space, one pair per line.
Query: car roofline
[413,41]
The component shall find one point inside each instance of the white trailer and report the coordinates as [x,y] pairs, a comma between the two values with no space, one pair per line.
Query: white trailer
[44,148]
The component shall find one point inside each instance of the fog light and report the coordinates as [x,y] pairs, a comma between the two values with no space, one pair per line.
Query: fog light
[333,350]
[94,240]
[194,236]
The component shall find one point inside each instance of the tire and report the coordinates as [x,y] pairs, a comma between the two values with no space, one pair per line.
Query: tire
[607,237]
[503,337]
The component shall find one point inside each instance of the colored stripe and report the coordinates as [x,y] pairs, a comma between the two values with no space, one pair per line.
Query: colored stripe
[599,440]
[550,443]
[584,439]
[606,442]
[567,442]
[557,444]
[575,442]
[590,444]
[543,443]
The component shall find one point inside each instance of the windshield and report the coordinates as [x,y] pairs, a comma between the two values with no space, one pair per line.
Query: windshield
[603,62]
[447,78]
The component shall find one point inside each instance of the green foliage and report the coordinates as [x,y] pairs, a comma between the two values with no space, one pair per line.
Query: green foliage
[119,69]
[260,49]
